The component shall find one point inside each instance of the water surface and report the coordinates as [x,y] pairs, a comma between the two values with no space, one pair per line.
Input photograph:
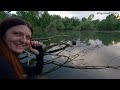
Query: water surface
[91,49]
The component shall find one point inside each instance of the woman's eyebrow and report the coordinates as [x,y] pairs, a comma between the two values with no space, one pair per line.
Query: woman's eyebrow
[28,36]
[22,32]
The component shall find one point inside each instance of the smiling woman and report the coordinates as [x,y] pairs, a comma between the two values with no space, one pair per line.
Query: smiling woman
[15,37]
[18,38]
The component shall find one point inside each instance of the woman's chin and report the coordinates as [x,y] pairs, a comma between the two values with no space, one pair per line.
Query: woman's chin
[18,51]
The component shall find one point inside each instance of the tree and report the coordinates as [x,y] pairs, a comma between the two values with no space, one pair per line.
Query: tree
[101,25]
[84,19]
[45,19]
[51,27]
[4,14]
[91,17]
[87,25]
[78,27]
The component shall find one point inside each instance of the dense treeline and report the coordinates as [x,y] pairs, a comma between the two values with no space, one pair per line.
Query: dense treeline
[42,21]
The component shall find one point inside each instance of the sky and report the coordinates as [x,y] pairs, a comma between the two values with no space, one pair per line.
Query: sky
[80,14]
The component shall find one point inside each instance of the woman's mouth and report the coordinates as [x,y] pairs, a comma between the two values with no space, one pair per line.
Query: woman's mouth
[20,46]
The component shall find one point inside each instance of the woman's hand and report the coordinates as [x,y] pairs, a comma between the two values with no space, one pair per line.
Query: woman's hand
[34,44]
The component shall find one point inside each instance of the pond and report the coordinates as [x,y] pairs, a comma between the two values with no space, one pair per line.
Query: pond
[96,55]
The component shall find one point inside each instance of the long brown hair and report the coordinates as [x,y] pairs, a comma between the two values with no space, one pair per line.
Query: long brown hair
[5,51]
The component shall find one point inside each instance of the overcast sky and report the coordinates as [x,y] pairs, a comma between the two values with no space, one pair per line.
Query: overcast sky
[81,14]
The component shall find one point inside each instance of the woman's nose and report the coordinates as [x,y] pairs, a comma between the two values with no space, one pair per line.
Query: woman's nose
[23,39]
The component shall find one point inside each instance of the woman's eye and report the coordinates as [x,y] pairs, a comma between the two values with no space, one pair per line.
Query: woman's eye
[28,38]
[17,33]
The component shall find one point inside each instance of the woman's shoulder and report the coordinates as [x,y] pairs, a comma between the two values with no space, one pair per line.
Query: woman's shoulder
[6,70]
[4,62]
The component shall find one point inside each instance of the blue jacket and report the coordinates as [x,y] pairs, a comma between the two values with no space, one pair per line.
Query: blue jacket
[6,69]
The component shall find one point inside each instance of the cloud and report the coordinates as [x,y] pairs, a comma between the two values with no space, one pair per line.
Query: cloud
[80,14]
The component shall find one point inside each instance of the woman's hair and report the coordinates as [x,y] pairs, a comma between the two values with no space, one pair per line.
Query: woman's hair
[5,25]
[11,22]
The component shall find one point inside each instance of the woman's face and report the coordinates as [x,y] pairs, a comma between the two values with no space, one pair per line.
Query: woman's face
[18,38]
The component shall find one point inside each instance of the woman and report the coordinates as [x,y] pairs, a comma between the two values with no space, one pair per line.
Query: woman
[15,36]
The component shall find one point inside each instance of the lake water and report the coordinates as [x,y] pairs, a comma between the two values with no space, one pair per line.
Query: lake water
[91,49]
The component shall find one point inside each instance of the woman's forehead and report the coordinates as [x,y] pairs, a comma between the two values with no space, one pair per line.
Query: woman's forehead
[21,28]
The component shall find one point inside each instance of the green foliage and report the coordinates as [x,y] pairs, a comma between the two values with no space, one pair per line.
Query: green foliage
[4,14]
[42,22]
[91,17]
[78,28]
[102,25]
[110,23]
[37,31]
[59,24]
[84,19]
[45,20]
[87,25]
[51,27]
